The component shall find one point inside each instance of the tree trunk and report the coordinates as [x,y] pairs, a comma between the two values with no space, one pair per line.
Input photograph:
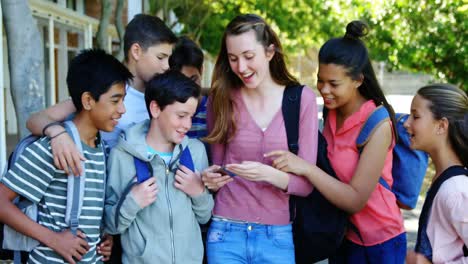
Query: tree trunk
[25,60]
[101,35]
[120,28]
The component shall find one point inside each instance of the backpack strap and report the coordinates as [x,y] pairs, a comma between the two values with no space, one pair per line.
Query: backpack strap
[291,108]
[186,159]
[75,185]
[143,169]
[423,244]
[377,117]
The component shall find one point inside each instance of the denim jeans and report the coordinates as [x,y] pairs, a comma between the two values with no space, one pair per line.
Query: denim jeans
[233,242]
[392,251]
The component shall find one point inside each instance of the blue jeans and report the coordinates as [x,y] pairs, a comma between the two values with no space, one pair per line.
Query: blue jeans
[233,242]
[392,251]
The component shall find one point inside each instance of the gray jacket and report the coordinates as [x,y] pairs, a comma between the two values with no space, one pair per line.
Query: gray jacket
[167,231]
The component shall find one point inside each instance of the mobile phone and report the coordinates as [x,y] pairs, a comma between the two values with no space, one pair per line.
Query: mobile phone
[225,171]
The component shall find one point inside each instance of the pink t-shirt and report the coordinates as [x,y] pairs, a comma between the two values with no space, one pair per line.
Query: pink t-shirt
[380,219]
[447,228]
[259,201]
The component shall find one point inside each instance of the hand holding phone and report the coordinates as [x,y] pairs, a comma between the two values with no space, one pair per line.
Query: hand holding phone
[225,171]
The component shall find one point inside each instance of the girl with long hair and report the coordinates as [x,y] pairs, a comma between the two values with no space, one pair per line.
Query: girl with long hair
[351,92]
[438,125]
[251,221]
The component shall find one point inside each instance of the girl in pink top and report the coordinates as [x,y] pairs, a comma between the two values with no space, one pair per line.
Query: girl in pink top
[351,92]
[251,222]
[438,125]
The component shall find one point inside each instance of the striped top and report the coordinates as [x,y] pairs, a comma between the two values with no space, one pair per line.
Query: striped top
[35,177]
[198,129]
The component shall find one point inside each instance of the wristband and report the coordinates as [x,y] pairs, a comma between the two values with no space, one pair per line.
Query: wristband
[58,134]
[56,123]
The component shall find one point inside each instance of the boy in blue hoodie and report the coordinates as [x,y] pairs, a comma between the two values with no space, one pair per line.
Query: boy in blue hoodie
[159,218]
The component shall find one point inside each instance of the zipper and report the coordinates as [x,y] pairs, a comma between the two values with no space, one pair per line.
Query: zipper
[171,220]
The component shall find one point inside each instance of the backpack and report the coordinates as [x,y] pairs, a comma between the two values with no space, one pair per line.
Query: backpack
[319,226]
[17,242]
[423,244]
[408,167]
[144,171]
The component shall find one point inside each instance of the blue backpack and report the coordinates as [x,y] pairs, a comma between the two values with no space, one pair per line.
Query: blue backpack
[13,242]
[144,171]
[409,166]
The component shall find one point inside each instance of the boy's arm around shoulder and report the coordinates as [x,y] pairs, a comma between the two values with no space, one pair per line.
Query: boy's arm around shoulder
[119,210]
[58,112]
[202,205]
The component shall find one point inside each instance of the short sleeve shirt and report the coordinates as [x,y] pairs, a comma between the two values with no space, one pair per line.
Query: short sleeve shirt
[35,178]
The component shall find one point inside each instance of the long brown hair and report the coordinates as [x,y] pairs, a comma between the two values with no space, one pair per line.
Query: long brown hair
[224,79]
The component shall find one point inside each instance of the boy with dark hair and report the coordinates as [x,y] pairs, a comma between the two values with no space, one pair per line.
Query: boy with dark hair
[148,43]
[159,218]
[187,58]
[96,82]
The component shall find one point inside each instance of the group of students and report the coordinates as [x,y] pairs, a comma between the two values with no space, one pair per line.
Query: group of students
[145,111]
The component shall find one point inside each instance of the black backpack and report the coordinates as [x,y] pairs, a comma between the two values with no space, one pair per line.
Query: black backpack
[319,226]
[423,244]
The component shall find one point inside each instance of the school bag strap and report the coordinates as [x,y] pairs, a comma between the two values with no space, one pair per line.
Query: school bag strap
[291,108]
[75,185]
[144,171]
[377,117]
[374,120]
[423,244]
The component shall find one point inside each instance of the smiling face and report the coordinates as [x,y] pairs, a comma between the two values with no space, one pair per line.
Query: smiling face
[249,59]
[337,88]
[175,120]
[153,60]
[421,125]
[106,112]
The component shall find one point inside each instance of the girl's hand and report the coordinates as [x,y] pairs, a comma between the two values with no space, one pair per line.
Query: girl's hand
[214,180]
[188,181]
[252,170]
[416,258]
[288,162]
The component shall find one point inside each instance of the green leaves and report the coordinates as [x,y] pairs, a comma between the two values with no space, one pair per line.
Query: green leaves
[425,36]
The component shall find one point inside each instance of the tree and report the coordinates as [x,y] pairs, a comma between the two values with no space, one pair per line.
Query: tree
[425,36]
[120,28]
[101,34]
[25,60]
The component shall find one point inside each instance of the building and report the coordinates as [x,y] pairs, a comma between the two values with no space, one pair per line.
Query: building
[66,26]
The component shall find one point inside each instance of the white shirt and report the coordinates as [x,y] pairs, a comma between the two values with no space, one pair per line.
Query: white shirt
[447,228]
[136,112]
